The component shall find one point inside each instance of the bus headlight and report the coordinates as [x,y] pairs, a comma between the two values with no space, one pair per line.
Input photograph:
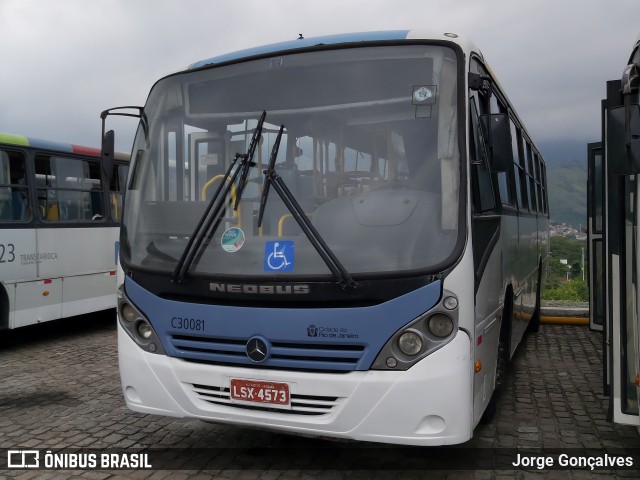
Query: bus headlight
[440,325]
[137,326]
[421,336]
[127,312]
[410,343]
[145,330]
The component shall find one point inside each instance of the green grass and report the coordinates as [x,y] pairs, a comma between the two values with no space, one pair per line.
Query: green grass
[564,283]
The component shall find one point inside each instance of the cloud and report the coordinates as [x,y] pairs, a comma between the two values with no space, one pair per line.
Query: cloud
[64,61]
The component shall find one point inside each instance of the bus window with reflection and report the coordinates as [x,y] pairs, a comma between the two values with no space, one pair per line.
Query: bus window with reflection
[14,205]
[69,189]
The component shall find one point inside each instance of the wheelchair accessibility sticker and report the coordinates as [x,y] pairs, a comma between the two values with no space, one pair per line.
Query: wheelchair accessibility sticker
[279,256]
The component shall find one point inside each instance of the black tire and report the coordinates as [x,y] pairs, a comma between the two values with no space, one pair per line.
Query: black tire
[4,309]
[492,407]
[501,371]
[502,361]
[534,323]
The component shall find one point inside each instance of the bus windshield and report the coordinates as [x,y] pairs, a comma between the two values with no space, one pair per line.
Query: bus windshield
[369,150]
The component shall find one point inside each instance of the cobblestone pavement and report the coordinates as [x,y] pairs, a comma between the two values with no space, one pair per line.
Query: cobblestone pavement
[59,388]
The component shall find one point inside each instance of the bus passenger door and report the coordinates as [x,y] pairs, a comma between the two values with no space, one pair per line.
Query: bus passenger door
[596,217]
[596,248]
[623,288]
[624,292]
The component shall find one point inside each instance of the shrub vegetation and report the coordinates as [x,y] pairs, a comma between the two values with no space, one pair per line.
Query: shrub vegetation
[564,282]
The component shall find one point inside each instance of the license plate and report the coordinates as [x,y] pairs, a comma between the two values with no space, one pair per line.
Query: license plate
[257,392]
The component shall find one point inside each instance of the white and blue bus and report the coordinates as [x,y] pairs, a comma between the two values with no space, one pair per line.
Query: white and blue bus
[614,209]
[60,211]
[342,236]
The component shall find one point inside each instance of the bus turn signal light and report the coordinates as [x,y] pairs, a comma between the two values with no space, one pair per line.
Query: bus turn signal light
[478,366]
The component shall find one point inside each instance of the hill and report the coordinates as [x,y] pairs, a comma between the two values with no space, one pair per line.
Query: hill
[567,180]
[567,192]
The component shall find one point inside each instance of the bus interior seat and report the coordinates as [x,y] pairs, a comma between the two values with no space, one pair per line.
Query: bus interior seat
[96,209]
[375,218]
[301,185]
[53,212]
[13,207]
[69,212]
[6,209]
[170,218]
[19,202]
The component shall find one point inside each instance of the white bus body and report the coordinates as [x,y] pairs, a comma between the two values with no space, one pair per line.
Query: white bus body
[58,236]
[447,267]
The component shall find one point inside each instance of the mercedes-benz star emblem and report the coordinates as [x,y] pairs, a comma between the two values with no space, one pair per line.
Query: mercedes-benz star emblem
[257,349]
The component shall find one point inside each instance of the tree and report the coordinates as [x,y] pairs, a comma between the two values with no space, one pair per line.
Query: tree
[558,286]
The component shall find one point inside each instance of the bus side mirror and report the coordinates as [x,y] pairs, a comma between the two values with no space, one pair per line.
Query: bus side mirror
[498,134]
[623,127]
[623,140]
[108,152]
[631,79]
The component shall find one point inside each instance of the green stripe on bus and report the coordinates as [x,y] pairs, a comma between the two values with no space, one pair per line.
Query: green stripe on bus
[14,139]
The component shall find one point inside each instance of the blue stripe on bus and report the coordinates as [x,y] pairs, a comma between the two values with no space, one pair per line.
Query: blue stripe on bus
[304,43]
[337,339]
[49,145]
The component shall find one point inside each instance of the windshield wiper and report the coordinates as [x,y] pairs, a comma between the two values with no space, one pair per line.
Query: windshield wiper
[247,159]
[342,276]
[270,168]
[215,208]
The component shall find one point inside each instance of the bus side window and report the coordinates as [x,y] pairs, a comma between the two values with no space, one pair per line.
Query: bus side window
[13,187]
[117,187]
[519,172]
[47,196]
[532,177]
[483,196]
[69,189]
[6,206]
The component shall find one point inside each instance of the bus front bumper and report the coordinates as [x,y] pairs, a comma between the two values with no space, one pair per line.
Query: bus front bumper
[429,404]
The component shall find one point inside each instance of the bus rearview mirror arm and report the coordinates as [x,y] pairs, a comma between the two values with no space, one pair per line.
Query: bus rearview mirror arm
[108,137]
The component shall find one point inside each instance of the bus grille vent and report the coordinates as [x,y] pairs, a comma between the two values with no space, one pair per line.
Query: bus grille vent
[334,357]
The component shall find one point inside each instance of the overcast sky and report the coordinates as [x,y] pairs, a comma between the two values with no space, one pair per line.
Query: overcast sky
[64,61]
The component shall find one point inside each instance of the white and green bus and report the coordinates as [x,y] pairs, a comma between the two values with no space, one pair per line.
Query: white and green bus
[60,213]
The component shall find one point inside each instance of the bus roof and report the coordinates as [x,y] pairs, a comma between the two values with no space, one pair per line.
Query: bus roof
[636,45]
[346,38]
[23,141]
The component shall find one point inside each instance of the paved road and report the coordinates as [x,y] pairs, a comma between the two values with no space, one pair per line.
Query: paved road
[59,388]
